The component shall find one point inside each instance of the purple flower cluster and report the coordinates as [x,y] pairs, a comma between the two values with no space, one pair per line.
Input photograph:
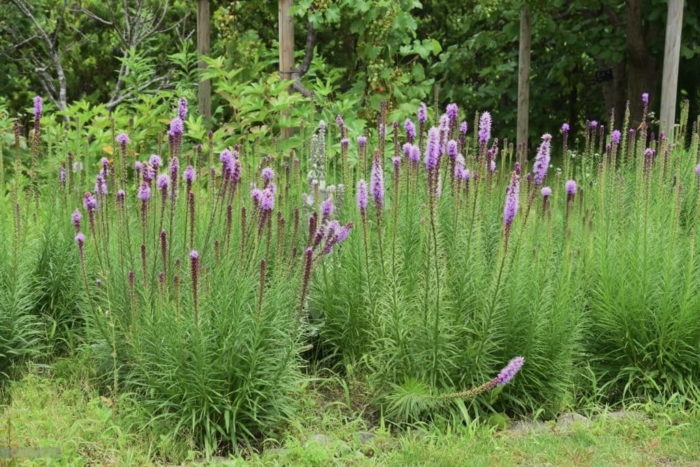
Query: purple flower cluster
[422,113]
[410,128]
[541,165]
[377,183]
[615,137]
[432,150]
[484,128]
[512,200]
[182,109]
[509,371]
[361,196]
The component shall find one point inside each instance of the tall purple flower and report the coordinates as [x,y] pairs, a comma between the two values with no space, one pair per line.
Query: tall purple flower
[452,148]
[75,219]
[162,183]
[189,175]
[422,113]
[362,141]
[541,165]
[155,161]
[268,174]
[570,190]
[509,371]
[123,140]
[377,183]
[565,128]
[89,202]
[410,128]
[80,240]
[38,109]
[62,175]
[484,128]
[182,109]
[361,196]
[327,208]
[432,149]
[512,201]
[463,128]
[267,200]
[144,193]
[615,137]
[176,127]
[100,185]
[546,191]
[414,154]
[452,112]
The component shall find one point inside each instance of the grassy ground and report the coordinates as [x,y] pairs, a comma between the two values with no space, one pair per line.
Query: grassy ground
[42,411]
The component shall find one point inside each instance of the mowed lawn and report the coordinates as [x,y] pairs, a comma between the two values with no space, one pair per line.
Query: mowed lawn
[43,412]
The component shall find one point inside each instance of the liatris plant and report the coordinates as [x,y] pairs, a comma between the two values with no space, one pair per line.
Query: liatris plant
[213,296]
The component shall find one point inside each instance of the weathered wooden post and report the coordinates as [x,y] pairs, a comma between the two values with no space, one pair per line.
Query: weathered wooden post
[286,52]
[203,49]
[669,85]
[523,83]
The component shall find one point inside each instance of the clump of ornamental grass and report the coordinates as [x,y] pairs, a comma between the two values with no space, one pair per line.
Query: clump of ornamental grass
[198,297]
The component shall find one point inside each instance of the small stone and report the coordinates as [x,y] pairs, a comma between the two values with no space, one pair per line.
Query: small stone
[565,420]
[320,438]
[526,426]
[365,437]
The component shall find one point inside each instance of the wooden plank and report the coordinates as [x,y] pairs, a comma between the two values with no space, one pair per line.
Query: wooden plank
[669,86]
[523,83]
[203,49]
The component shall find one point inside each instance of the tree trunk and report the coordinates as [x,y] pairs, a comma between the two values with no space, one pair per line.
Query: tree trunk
[523,83]
[669,85]
[203,49]
[286,48]
[642,73]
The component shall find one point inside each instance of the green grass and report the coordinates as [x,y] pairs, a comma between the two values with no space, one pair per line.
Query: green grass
[45,411]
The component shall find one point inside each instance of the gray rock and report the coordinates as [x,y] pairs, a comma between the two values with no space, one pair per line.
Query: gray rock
[365,437]
[321,439]
[527,426]
[565,420]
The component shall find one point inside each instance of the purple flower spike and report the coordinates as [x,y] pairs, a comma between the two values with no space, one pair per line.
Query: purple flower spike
[256,194]
[509,371]
[422,113]
[645,98]
[512,200]
[615,136]
[121,194]
[361,196]
[345,143]
[593,124]
[565,128]
[452,148]
[267,201]
[189,174]
[327,208]
[546,191]
[38,107]
[75,218]
[144,193]
[361,141]
[414,155]
[452,112]
[62,175]
[182,109]
[432,150]
[410,128]
[89,202]
[155,161]
[570,187]
[122,139]
[138,167]
[649,153]
[463,128]
[377,181]
[542,159]
[268,174]
[176,127]
[484,128]
[80,240]
[163,181]
[406,148]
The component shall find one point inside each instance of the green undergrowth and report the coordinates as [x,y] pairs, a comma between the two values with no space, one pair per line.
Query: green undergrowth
[57,407]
